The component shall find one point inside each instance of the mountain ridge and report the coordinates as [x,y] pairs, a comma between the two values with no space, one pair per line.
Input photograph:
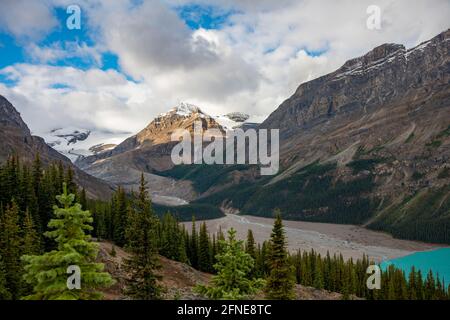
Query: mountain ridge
[16,138]
[366,144]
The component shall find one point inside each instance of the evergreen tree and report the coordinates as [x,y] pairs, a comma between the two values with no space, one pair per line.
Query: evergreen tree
[318,275]
[4,292]
[10,249]
[193,245]
[141,266]
[233,265]
[280,283]
[31,242]
[204,250]
[172,239]
[430,287]
[119,218]
[250,248]
[48,272]
[250,245]
[68,179]
[412,284]
[83,199]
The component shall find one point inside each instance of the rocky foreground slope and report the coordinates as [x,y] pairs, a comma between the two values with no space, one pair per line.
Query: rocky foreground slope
[179,279]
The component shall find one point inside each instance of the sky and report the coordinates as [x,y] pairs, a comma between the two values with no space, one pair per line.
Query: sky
[133,59]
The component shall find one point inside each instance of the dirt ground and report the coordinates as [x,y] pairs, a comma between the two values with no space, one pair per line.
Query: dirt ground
[179,279]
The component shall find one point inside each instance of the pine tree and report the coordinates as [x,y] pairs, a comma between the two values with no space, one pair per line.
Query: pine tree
[29,202]
[250,245]
[119,218]
[412,284]
[182,255]
[204,250]
[4,292]
[172,239]
[233,265]
[31,242]
[318,275]
[193,245]
[280,282]
[143,281]
[250,248]
[48,272]
[10,248]
[71,186]
[430,286]
[83,199]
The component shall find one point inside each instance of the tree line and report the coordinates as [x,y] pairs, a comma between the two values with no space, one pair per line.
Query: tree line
[39,205]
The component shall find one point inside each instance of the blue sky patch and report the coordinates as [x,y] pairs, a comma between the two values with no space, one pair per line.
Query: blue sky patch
[206,17]
[60,86]
[7,80]
[10,52]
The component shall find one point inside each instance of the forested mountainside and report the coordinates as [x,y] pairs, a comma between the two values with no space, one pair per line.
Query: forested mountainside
[366,144]
[37,245]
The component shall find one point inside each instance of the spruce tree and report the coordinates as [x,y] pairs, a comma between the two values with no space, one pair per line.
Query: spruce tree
[47,273]
[250,245]
[318,275]
[4,292]
[31,242]
[412,284]
[193,246]
[233,265]
[120,214]
[142,282]
[10,249]
[250,248]
[280,283]
[83,199]
[204,250]
[71,186]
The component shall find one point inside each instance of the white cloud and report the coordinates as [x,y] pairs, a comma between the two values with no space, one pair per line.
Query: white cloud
[251,64]
[58,51]
[26,19]
[50,97]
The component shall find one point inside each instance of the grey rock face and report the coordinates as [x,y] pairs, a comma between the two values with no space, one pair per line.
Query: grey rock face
[9,116]
[237,116]
[385,74]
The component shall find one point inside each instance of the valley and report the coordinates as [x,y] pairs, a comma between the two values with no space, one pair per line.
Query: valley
[229,151]
[367,144]
[350,240]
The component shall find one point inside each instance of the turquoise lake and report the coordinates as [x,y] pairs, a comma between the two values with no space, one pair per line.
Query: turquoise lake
[436,260]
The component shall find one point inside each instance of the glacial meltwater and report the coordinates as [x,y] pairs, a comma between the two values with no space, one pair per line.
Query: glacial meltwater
[438,261]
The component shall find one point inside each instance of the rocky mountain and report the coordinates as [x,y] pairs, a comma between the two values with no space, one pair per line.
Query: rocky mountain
[16,138]
[75,142]
[367,144]
[233,120]
[149,151]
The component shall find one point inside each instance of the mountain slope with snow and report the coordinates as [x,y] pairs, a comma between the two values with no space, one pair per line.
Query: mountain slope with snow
[75,143]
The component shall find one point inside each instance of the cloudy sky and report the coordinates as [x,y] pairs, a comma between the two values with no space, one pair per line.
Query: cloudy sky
[132,60]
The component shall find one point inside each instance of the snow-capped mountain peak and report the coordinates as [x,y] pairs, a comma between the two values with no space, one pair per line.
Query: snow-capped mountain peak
[186,109]
[74,142]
